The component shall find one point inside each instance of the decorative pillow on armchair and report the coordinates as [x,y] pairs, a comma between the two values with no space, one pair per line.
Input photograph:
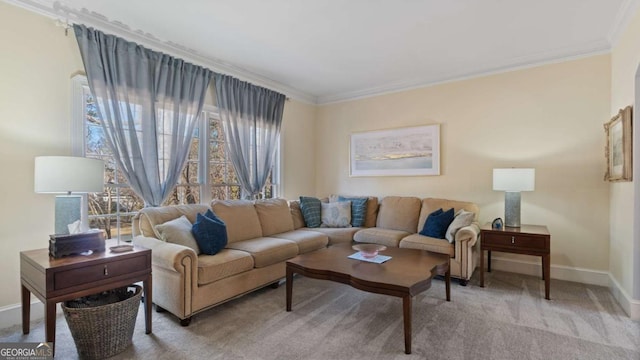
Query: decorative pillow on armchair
[437,223]
[336,214]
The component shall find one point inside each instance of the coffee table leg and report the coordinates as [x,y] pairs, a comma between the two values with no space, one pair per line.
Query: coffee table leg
[406,310]
[289,287]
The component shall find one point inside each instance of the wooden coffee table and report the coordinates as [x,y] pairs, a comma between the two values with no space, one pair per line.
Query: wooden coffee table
[406,274]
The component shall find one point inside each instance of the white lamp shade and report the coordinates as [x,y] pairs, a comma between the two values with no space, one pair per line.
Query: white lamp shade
[68,174]
[514,179]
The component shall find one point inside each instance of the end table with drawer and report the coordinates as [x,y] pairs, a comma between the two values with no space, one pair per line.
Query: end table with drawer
[527,240]
[53,280]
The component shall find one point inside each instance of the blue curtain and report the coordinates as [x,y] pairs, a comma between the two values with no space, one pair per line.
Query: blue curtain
[251,118]
[149,104]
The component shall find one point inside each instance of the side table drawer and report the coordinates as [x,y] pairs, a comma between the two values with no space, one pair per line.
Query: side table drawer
[94,273]
[514,241]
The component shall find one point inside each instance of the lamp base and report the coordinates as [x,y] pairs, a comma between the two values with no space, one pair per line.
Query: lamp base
[121,248]
[512,209]
[67,212]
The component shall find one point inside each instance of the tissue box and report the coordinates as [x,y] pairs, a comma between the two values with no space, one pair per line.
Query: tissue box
[70,244]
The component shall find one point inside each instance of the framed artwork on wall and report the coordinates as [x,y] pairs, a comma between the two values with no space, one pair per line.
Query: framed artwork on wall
[410,151]
[619,147]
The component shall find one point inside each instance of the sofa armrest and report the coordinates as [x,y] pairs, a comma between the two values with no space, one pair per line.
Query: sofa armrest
[469,234]
[167,255]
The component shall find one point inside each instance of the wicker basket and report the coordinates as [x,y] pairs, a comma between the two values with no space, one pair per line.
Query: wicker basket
[102,328]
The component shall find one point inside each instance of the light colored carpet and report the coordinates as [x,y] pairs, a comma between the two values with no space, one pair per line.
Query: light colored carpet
[508,319]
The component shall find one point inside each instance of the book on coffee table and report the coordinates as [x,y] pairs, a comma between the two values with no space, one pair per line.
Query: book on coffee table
[378,259]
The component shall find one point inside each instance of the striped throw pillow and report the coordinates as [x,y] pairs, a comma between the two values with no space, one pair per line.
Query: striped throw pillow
[358,209]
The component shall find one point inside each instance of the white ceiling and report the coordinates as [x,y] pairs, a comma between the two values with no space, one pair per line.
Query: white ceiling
[331,50]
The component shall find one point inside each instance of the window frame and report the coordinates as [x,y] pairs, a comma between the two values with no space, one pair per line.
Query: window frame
[79,88]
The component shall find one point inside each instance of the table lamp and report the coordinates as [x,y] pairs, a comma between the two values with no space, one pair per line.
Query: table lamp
[512,181]
[68,175]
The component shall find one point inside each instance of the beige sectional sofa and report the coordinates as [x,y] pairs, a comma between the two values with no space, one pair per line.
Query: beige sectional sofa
[263,234]
[400,219]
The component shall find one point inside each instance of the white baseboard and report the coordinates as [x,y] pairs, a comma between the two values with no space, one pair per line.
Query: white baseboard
[630,306]
[11,315]
[585,276]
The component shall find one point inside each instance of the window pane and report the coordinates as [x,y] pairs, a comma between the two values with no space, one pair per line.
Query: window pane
[219,192]
[217,151]
[235,192]
[217,174]
[184,194]
[215,131]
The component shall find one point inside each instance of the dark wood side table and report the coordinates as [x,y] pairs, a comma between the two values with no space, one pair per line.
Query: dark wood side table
[55,280]
[527,240]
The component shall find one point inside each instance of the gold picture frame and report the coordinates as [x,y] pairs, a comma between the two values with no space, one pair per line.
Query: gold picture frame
[619,147]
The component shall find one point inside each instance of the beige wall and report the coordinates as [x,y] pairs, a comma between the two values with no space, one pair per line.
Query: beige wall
[549,117]
[624,250]
[37,62]
[297,153]
[35,117]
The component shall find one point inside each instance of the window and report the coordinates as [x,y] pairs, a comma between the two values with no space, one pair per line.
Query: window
[208,173]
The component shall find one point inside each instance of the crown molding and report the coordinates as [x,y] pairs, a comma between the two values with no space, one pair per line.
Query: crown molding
[60,12]
[598,47]
[625,14]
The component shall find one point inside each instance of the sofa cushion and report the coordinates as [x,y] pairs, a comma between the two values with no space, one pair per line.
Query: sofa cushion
[306,240]
[371,208]
[336,214]
[417,241]
[399,213]
[380,236]
[178,231]
[296,214]
[311,211]
[241,219]
[210,234]
[149,217]
[274,215]
[437,223]
[267,250]
[227,262]
[358,209]
[337,235]
[430,205]
[463,218]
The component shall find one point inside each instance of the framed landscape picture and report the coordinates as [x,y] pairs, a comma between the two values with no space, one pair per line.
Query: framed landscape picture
[619,146]
[407,151]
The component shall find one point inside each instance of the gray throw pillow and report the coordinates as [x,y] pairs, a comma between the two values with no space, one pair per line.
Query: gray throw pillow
[336,215]
[178,231]
[462,219]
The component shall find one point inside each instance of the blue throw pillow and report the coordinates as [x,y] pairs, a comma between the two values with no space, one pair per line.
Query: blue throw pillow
[358,209]
[210,234]
[311,211]
[437,223]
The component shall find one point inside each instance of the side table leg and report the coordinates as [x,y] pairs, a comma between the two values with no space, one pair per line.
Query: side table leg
[546,265]
[406,312]
[26,309]
[289,287]
[481,268]
[488,260]
[50,323]
[148,301]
